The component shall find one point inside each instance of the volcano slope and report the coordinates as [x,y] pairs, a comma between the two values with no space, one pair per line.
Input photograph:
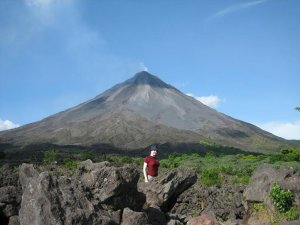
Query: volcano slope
[138,112]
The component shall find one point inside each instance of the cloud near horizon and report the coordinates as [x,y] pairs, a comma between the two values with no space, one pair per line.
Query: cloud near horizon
[7,124]
[287,130]
[211,100]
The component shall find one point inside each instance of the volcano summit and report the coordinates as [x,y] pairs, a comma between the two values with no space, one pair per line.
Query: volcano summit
[138,112]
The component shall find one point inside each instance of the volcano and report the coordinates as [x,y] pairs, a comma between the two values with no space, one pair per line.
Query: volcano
[138,112]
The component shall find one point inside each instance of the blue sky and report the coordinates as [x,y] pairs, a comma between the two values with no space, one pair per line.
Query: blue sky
[241,57]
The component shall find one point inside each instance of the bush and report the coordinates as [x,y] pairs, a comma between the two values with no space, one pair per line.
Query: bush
[258,207]
[210,177]
[50,156]
[210,155]
[242,180]
[292,214]
[282,199]
[286,154]
[70,164]
[172,161]
[126,160]
[169,164]
[2,155]
[249,157]
[85,156]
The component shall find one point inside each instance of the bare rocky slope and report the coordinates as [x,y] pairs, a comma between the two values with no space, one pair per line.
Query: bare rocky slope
[138,112]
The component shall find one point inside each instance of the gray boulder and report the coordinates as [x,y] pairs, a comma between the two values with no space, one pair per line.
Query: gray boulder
[156,216]
[10,199]
[92,196]
[130,217]
[113,187]
[258,190]
[164,190]
[205,219]
[14,220]
[263,179]
[225,201]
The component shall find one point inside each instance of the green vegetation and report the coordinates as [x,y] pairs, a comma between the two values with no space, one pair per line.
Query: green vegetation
[118,160]
[282,199]
[50,156]
[287,155]
[214,165]
[260,211]
[85,155]
[210,176]
[2,155]
[214,169]
[70,164]
[258,207]
[292,214]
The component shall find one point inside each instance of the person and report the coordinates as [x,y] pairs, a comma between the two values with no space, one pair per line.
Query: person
[151,164]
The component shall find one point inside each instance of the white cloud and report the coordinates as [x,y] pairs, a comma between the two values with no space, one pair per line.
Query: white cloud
[39,3]
[287,130]
[211,100]
[44,4]
[6,124]
[143,67]
[235,8]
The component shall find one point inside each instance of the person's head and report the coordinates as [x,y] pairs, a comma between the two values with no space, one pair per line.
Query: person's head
[153,150]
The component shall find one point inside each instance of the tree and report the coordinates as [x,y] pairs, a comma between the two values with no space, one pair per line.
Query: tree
[297,108]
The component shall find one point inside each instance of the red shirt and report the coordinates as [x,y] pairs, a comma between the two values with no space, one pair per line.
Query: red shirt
[152,166]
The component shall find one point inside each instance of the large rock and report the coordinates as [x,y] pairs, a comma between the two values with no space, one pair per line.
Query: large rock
[92,196]
[225,201]
[164,190]
[263,179]
[14,220]
[258,190]
[156,216]
[10,192]
[130,217]
[205,219]
[114,187]
[10,199]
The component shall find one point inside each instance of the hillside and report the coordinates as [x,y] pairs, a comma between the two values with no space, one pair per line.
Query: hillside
[138,112]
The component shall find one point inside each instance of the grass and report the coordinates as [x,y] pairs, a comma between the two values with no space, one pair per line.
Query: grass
[262,214]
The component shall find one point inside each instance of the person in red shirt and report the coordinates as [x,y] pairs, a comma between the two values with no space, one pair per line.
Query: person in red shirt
[151,164]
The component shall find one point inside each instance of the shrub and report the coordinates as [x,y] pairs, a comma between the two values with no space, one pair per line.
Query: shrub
[282,199]
[292,214]
[137,161]
[2,155]
[286,154]
[172,161]
[85,155]
[126,159]
[210,155]
[70,164]
[169,164]
[249,157]
[50,156]
[210,177]
[195,156]
[258,207]
[205,143]
[242,180]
